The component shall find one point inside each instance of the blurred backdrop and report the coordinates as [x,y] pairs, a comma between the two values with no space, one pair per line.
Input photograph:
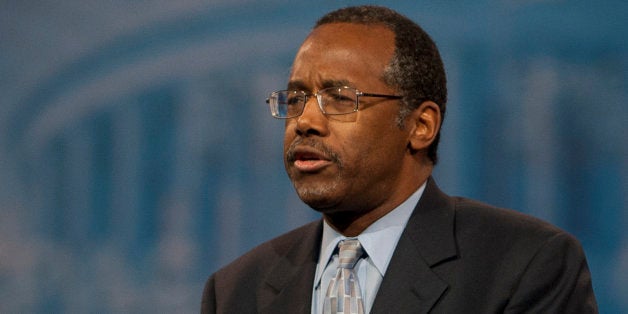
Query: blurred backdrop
[137,154]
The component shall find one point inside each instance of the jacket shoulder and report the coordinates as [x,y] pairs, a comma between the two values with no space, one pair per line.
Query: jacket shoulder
[266,254]
[235,287]
[475,216]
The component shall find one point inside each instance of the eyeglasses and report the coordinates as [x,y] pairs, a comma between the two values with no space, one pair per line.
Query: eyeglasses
[285,104]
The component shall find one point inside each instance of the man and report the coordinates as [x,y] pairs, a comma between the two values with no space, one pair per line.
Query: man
[363,109]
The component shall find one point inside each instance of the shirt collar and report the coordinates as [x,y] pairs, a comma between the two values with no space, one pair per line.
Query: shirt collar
[379,240]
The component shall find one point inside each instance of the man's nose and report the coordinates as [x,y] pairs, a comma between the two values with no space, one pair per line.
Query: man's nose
[312,121]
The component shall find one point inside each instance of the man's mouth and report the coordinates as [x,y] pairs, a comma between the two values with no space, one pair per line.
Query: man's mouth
[308,160]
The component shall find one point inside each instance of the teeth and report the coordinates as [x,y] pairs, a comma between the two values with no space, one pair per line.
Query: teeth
[307,157]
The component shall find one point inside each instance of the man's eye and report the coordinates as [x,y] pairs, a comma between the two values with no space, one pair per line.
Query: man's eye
[340,98]
[294,100]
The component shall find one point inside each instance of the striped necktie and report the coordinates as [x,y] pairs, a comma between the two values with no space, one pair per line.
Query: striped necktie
[343,295]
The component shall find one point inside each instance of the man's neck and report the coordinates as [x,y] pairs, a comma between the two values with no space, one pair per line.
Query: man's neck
[351,223]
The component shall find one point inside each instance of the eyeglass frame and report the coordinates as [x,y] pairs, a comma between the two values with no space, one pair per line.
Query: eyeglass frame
[318,95]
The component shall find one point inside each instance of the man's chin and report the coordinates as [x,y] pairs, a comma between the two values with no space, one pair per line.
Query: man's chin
[318,204]
[318,200]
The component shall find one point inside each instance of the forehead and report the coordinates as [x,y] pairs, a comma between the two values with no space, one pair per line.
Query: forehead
[368,35]
[343,52]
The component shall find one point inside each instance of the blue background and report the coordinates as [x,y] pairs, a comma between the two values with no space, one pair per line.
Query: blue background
[137,154]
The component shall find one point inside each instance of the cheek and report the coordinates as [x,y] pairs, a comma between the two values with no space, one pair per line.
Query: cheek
[358,148]
[289,134]
[373,146]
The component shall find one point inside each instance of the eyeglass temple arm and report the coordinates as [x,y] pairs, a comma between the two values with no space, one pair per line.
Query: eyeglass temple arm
[380,95]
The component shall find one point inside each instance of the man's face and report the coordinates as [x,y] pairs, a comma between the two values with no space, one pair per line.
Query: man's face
[348,163]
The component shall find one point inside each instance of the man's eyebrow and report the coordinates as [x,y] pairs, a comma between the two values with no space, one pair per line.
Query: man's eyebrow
[300,85]
[335,83]
[297,85]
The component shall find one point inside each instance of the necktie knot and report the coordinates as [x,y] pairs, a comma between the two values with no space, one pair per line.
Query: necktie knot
[350,251]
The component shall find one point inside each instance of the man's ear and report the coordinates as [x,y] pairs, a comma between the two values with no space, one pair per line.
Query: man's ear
[424,123]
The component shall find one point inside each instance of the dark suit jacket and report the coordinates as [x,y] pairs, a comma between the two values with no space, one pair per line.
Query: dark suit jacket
[455,256]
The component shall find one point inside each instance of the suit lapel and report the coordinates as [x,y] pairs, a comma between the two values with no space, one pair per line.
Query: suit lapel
[410,285]
[289,284]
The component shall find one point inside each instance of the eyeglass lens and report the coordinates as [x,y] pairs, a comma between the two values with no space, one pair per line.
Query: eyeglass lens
[334,100]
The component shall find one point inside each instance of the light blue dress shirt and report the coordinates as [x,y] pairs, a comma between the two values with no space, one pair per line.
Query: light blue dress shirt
[379,241]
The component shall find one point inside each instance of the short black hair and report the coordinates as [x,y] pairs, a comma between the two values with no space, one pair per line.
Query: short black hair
[416,68]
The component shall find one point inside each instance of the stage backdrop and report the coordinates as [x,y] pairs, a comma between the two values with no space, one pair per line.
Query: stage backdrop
[137,154]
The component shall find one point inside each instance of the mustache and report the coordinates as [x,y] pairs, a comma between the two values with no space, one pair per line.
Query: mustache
[317,145]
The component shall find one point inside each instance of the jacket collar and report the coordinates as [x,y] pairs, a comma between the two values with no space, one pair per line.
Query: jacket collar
[289,284]
[410,285]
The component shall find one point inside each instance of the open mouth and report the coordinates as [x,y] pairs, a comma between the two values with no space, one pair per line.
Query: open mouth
[309,161]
